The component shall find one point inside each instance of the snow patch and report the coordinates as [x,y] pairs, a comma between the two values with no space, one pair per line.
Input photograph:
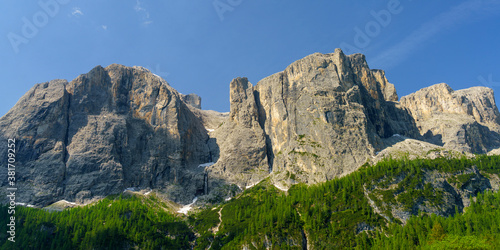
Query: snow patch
[204,165]
[148,192]
[210,130]
[24,204]
[185,209]
[281,188]
[249,186]
[398,135]
[65,201]
[228,198]
[131,189]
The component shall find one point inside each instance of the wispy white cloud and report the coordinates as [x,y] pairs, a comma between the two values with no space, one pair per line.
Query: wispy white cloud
[138,6]
[104,27]
[463,12]
[77,12]
[145,13]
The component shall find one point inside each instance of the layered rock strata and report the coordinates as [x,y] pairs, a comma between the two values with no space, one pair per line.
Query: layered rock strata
[107,130]
[323,116]
[465,120]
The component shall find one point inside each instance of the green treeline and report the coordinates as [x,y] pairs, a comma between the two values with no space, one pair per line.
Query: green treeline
[477,228]
[337,214]
[113,223]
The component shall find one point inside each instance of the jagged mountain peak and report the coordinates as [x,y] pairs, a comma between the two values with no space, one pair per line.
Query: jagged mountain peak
[323,116]
[107,130]
[478,102]
[297,122]
[114,71]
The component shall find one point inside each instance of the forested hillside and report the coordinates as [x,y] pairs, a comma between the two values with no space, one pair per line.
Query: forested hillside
[366,209]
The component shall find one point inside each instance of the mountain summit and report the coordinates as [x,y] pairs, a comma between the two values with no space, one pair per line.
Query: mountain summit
[323,116]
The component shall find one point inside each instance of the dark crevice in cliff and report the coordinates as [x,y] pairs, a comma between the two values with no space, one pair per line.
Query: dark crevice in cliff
[282,82]
[66,140]
[261,116]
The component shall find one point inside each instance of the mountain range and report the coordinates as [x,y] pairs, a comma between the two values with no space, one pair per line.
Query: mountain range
[323,117]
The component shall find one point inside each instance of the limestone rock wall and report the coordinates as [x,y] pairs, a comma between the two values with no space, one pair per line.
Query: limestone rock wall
[107,130]
[464,120]
[323,116]
[192,99]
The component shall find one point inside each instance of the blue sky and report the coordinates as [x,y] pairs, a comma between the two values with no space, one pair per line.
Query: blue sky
[198,46]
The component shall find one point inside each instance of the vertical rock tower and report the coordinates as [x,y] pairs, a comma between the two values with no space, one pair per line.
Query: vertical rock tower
[323,116]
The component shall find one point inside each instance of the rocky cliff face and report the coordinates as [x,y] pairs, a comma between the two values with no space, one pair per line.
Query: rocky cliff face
[192,99]
[455,191]
[323,116]
[110,129]
[243,158]
[465,120]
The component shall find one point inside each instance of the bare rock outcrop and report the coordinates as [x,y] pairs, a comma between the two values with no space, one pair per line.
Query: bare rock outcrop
[192,99]
[465,120]
[323,116]
[107,130]
[453,191]
[243,155]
